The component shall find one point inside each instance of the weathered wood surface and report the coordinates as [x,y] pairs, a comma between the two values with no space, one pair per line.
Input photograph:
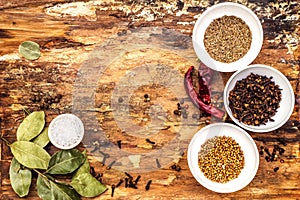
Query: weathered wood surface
[68,32]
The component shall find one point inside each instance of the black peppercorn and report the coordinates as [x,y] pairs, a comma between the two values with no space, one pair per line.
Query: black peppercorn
[120,100]
[177,112]
[267,158]
[173,167]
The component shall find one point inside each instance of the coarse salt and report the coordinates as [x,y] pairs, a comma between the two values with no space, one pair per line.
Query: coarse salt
[66,131]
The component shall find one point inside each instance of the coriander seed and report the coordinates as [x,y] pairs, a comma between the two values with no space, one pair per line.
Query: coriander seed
[221,159]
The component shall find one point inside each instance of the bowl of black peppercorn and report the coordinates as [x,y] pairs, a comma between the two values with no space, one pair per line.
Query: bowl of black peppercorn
[259,98]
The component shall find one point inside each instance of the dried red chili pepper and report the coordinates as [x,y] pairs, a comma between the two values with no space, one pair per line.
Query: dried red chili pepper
[197,100]
[205,75]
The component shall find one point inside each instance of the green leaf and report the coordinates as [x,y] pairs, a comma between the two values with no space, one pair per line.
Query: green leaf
[87,185]
[30,50]
[42,139]
[50,190]
[65,161]
[84,168]
[30,155]
[31,126]
[84,183]
[44,188]
[20,178]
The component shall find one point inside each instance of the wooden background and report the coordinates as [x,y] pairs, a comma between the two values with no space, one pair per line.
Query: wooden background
[68,31]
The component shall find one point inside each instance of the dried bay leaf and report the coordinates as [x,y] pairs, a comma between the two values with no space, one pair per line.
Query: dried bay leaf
[84,168]
[84,183]
[49,190]
[20,178]
[31,126]
[65,161]
[30,155]
[42,139]
[30,50]
[87,185]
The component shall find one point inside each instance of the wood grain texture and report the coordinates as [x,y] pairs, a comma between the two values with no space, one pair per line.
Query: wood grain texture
[69,31]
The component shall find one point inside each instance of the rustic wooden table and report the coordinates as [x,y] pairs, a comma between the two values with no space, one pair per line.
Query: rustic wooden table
[104,56]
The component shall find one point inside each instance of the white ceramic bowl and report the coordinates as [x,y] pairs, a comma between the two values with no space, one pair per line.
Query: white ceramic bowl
[66,131]
[246,143]
[220,10]
[287,99]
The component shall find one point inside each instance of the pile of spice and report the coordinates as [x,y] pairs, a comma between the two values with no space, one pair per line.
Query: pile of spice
[254,99]
[227,39]
[221,159]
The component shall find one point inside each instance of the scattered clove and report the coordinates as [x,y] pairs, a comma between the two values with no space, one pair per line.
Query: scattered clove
[110,165]
[128,175]
[148,185]
[157,163]
[119,143]
[120,182]
[137,179]
[92,171]
[112,190]
[149,141]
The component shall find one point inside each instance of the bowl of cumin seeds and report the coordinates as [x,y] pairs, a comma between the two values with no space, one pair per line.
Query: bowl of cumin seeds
[227,37]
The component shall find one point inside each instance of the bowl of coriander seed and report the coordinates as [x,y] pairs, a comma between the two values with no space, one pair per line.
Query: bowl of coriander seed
[223,157]
[227,37]
[259,98]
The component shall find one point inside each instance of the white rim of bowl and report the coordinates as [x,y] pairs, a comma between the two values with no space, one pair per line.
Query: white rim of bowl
[78,120]
[227,67]
[249,128]
[190,161]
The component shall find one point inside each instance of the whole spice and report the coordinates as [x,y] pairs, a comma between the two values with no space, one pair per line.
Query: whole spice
[137,179]
[111,164]
[254,100]
[120,182]
[147,187]
[128,175]
[221,159]
[205,75]
[157,163]
[119,143]
[112,190]
[227,39]
[149,141]
[197,100]
[176,167]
